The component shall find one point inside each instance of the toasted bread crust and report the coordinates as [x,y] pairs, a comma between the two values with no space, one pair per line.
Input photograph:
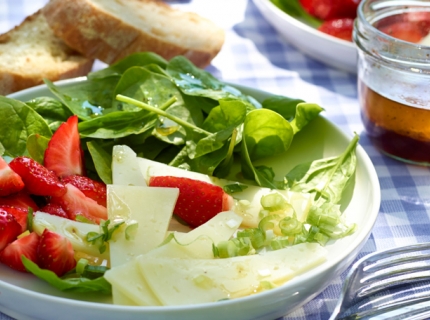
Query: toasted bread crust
[109,30]
[30,52]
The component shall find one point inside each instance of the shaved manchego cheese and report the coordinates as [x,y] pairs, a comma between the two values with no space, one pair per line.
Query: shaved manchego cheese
[176,281]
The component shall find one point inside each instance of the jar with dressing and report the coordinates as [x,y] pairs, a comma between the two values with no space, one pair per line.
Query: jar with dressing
[393,40]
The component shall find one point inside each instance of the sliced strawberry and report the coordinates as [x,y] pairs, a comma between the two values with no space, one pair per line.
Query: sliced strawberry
[406,31]
[339,28]
[198,201]
[331,9]
[9,228]
[74,202]
[64,152]
[21,199]
[55,253]
[54,209]
[38,179]
[19,214]
[24,246]
[10,181]
[92,189]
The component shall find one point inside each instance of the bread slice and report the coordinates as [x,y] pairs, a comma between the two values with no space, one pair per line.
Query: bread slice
[31,52]
[112,29]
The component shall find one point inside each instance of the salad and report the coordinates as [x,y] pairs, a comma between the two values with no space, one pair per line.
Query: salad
[152,171]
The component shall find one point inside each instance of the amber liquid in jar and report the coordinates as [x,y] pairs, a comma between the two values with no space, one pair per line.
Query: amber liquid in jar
[397,129]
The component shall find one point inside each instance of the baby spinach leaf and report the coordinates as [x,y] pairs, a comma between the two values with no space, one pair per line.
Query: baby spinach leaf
[75,284]
[117,124]
[266,133]
[36,146]
[198,82]
[17,122]
[102,161]
[285,106]
[327,178]
[52,110]
[305,113]
[87,99]
[136,59]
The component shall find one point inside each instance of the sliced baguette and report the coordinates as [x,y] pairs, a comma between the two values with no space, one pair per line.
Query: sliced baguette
[31,52]
[109,30]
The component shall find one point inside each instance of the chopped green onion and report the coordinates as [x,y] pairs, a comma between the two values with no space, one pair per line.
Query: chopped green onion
[290,226]
[30,219]
[80,266]
[227,249]
[274,202]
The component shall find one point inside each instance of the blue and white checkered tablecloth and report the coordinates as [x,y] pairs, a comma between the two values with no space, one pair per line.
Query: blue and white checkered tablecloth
[255,55]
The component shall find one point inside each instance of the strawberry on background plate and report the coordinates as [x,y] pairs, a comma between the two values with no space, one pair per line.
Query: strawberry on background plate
[64,153]
[198,201]
[55,253]
[10,181]
[9,228]
[23,246]
[38,179]
[339,28]
[331,9]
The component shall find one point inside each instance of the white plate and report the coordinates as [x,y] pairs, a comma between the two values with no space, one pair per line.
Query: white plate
[24,297]
[332,51]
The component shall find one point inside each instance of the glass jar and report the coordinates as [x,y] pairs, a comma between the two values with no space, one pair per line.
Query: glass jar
[394,76]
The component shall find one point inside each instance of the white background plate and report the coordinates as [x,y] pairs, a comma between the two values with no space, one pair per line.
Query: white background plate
[332,51]
[24,297]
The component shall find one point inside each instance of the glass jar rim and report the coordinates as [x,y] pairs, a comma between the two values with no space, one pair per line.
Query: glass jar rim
[376,43]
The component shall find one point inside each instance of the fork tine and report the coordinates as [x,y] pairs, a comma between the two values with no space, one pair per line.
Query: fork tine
[375,272]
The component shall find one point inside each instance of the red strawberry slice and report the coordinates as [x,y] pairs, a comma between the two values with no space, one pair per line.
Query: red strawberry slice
[19,214]
[55,209]
[21,200]
[9,228]
[92,189]
[55,253]
[331,9]
[10,181]
[64,153]
[198,201]
[24,246]
[406,31]
[38,179]
[339,28]
[74,202]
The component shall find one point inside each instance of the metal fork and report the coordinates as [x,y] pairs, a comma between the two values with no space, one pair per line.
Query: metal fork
[391,284]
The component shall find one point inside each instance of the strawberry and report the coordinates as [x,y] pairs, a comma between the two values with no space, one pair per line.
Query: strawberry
[38,179]
[21,199]
[198,201]
[405,30]
[10,181]
[19,214]
[64,153]
[92,189]
[9,228]
[24,246]
[55,209]
[339,28]
[74,202]
[55,253]
[331,9]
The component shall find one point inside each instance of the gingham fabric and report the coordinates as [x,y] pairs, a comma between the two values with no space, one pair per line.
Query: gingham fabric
[255,55]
